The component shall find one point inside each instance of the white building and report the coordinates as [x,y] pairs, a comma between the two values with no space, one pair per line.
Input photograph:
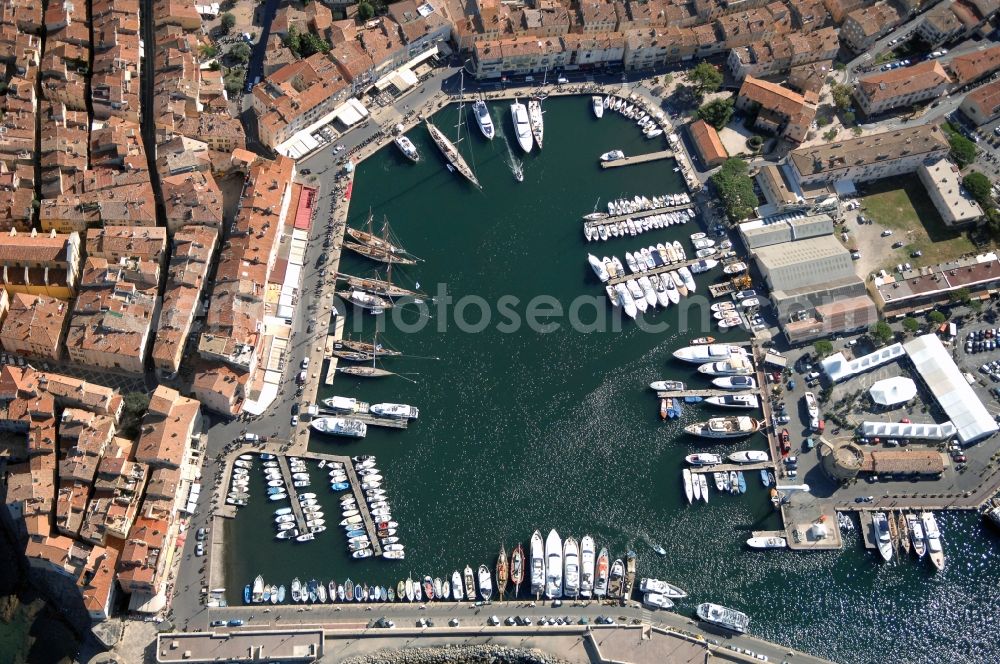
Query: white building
[943,181]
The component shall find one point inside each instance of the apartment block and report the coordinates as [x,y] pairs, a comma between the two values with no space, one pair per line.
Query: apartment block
[898,88]
[982,105]
[863,27]
[35,326]
[779,110]
[40,264]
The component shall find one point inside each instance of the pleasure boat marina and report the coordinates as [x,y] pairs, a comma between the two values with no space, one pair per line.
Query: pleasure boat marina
[435,448]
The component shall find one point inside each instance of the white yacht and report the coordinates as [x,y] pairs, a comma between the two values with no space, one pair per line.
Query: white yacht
[725,427]
[598,266]
[342,404]
[709,353]
[537,564]
[882,537]
[522,127]
[662,588]
[571,568]
[612,155]
[737,366]
[913,524]
[735,383]
[734,401]
[767,542]
[625,299]
[722,616]
[483,119]
[340,426]
[703,459]
[933,536]
[587,560]
[400,411]
[553,565]
[657,601]
[748,456]
[406,146]
[597,103]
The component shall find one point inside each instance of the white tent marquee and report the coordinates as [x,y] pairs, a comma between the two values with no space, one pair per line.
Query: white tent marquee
[892,391]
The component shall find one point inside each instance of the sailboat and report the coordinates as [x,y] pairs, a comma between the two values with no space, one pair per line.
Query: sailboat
[366,371]
[517,568]
[449,149]
[522,126]
[383,287]
[377,248]
[536,121]
[369,237]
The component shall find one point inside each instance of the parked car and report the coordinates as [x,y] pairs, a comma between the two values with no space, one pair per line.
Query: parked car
[217,623]
[295,420]
[305,363]
[199,549]
[897,244]
[886,233]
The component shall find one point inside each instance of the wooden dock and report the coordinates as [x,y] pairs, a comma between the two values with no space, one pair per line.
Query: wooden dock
[868,535]
[656,270]
[362,502]
[293,494]
[641,214]
[639,159]
[677,394]
[725,288]
[728,467]
[769,533]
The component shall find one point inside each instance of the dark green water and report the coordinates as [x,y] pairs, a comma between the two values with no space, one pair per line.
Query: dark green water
[522,429]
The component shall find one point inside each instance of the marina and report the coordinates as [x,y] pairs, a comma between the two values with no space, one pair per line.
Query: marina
[566,438]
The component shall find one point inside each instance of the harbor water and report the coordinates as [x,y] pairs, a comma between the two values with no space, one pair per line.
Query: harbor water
[524,426]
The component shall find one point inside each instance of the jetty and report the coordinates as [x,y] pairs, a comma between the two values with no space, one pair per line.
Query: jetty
[362,502]
[639,159]
[293,494]
[331,341]
[680,394]
[660,269]
[641,214]
[727,467]
[368,418]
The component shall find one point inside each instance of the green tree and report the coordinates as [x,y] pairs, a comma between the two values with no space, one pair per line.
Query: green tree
[208,51]
[881,332]
[830,134]
[240,51]
[705,77]
[911,324]
[293,41]
[735,188]
[134,408]
[936,317]
[823,348]
[717,112]
[962,296]
[979,186]
[365,10]
[849,117]
[963,151]
[841,96]
[227,21]
[311,43]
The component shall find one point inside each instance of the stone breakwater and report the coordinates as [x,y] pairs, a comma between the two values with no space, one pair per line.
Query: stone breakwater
[480,654]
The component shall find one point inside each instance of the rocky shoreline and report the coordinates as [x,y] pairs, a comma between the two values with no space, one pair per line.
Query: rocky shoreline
[479,654]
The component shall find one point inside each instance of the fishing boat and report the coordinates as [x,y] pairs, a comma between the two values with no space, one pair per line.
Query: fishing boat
[451,153]
[571,568]
[537,550]
[517,568]
[734,401]
[748,456]
[601,571]
[536,120]
[933,535]
[725,427]
[688,485]
[703,459]
[522,125]
[880,523]
[722,616]
[704,353]
[616,582]
[470,584]
[587,562]
[340,426]
[456,586]
[257,592]
[482,113]
[667,385]
[502,572]
[597,104]
[553,565]
[397,411]
[767,543]
[405,145]
[702,341]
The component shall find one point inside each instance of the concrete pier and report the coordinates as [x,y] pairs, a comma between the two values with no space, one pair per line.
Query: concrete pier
[293,495]
[368,418]
[642,214]
[705,393]
[331,340]
[639,159]
[727,467]
[656,270]
[362,502]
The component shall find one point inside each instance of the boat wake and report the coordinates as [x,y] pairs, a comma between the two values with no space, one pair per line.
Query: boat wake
[515,165]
